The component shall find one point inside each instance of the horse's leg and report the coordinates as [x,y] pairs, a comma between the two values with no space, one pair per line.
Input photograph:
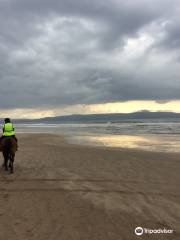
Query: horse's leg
[11,163]
[5,154]
[3,165]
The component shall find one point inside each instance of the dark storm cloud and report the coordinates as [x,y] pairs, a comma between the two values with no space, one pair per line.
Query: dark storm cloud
[171,39]
[79,52]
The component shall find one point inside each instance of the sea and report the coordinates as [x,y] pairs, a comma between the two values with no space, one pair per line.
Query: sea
[161,135]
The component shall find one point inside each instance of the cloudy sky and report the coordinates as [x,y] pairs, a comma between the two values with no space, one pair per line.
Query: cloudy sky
[78,56]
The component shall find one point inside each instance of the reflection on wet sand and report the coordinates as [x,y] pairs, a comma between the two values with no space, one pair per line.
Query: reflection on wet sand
[145,142]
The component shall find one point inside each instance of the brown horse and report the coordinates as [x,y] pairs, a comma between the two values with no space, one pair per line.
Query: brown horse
[8,146]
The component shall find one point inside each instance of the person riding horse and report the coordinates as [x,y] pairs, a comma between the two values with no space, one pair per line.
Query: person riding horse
[8,145]
[8,130]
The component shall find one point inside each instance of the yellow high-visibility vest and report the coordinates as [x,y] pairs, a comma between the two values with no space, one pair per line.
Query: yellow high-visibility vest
[8,130]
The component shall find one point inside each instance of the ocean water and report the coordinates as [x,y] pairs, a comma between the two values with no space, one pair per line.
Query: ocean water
[151,135]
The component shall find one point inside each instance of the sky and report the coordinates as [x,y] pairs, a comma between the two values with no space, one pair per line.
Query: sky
[62,57]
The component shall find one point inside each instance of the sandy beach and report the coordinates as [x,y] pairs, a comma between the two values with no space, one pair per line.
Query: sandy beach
[64,191]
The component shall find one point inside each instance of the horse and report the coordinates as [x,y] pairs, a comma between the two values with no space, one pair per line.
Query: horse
[8,146]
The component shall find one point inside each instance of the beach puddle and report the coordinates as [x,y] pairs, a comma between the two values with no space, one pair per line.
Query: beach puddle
[164,143]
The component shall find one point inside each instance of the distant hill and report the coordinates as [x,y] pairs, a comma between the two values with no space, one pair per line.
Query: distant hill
[113,117]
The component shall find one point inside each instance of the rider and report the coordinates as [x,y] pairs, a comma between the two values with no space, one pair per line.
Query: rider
[8,129]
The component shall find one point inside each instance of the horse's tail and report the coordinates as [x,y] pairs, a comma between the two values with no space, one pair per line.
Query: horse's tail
[7,146]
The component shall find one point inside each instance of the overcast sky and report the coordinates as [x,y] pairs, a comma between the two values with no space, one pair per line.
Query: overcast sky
[57,54]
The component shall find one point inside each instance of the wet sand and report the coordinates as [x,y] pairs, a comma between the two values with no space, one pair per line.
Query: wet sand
[64,191]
